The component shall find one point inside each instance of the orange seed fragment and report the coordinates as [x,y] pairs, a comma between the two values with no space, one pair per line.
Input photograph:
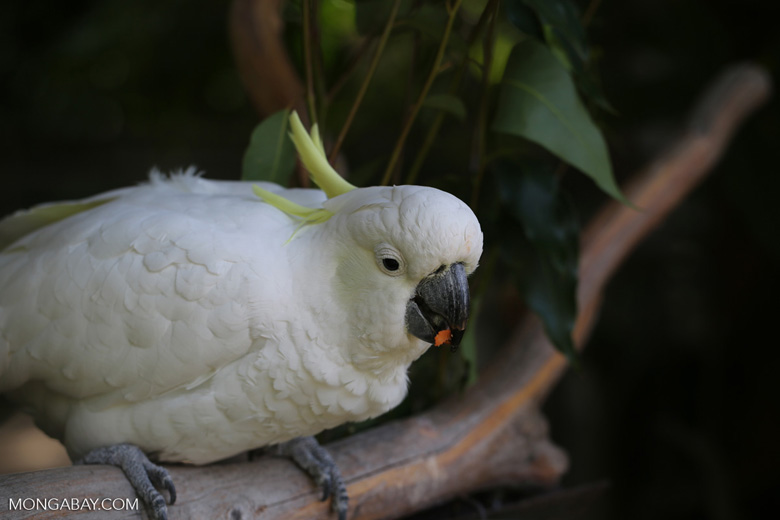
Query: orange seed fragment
[443,337]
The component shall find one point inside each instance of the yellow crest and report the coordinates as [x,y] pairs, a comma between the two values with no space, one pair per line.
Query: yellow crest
[313,157]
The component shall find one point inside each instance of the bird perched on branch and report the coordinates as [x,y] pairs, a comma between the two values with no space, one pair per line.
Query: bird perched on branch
[188,320]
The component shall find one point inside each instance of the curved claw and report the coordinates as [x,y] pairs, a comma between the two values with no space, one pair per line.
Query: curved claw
[161,479]
[142,474]
[325,490]
[318,464]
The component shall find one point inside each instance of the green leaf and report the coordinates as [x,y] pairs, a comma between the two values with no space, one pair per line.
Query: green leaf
[448,103]
[557,47]
[544,252]
[557,23]
[271,154]
[563,29]
[524,18]
[538,102]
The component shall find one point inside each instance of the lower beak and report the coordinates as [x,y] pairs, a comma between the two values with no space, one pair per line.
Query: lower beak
[439,310]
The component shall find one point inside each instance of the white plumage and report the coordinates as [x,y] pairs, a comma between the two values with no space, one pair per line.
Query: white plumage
[194,320]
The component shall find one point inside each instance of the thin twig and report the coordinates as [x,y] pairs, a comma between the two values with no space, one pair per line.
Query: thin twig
[307,57]
[593,6]
[482,117]
[350,68]
[413,68]
[395,156]
[318,80]
[433,130]
[364,87]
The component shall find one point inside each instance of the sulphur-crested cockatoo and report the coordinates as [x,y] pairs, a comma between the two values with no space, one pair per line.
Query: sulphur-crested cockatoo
[190,320]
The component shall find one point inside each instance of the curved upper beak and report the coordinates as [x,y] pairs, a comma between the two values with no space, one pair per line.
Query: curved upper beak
[439,310]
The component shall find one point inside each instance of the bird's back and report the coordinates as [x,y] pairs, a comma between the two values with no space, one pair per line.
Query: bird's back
[140,295]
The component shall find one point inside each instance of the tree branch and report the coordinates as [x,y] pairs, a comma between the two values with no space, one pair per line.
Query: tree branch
[263,64]
[493,433]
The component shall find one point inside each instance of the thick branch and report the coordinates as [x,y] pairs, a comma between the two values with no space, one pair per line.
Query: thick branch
[490,435]
[261,58]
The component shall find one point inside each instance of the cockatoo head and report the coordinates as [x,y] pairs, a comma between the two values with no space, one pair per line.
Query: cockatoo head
[403,262]
[398,256]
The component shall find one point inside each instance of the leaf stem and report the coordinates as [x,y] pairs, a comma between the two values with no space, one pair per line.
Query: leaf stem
[369,75]
[452,11]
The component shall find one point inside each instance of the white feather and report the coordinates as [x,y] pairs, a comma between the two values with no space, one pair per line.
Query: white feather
[180,316]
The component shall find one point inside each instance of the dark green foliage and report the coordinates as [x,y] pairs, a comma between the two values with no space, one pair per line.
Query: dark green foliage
[371,15]
[557,23]
[562,30]
[543,249]
[447,103]
[524,18]
[539,102]
[447,56]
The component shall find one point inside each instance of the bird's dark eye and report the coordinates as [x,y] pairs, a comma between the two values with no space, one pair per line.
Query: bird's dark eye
[389,260]
[391,264]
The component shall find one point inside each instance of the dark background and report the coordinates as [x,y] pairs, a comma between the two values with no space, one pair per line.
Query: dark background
[676,402]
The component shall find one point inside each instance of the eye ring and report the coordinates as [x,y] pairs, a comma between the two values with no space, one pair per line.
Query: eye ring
[389,260]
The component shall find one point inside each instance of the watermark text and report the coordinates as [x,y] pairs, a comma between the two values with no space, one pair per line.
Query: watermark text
[73,504]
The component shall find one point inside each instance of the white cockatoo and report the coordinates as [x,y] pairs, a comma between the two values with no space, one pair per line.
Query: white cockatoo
[190,320]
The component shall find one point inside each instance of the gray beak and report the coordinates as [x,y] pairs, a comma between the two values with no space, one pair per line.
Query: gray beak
[439,310]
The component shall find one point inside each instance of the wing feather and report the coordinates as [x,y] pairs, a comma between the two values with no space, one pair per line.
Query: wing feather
[142,294]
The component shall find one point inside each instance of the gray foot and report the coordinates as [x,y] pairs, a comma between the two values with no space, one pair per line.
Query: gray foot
[317,462]
[142,474]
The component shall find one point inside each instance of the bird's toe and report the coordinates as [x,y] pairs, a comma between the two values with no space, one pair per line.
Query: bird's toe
[143,475]
[319,465]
